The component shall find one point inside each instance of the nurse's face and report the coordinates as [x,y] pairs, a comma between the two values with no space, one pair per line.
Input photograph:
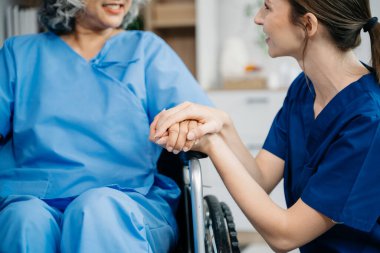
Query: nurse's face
[283,37]
[103,14]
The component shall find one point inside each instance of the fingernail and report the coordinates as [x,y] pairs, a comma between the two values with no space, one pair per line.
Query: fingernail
[175,151]
[190,136]
[170,149]
[185,149]
[160,141]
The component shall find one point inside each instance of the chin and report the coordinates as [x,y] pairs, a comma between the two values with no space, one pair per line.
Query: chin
[272,54]
[113,23]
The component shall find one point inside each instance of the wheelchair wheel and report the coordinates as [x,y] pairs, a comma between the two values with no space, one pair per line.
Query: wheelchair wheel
[234,243]
[221,236]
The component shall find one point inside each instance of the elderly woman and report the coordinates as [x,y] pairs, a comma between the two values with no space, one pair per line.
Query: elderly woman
[77,170]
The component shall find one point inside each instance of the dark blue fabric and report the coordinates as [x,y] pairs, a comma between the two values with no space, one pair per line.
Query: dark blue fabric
[332,162]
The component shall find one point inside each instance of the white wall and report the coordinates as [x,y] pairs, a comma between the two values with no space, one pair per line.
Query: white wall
[364,50]
[207,42]
[225,19]
[219,20]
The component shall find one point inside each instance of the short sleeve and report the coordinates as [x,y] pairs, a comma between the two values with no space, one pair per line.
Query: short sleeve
[7,80]
[168,80]
[276,141]
[345,186]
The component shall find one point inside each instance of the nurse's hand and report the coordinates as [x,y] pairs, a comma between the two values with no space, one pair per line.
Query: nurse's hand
[175,139]
[211,120]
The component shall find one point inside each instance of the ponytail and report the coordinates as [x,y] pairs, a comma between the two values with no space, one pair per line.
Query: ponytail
[374,34]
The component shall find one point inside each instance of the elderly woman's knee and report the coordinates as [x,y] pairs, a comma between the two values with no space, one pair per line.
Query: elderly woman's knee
[97,202]
[29,212]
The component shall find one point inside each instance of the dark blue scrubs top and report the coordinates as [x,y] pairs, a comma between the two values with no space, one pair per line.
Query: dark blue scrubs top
[332,162]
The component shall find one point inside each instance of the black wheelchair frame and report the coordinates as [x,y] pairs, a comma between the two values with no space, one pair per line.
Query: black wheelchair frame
[205,224]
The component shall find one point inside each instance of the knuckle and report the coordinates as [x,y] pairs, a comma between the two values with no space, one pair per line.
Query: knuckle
[173,131]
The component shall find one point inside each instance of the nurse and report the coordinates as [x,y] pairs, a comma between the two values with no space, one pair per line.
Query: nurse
[324,142]
[77,170]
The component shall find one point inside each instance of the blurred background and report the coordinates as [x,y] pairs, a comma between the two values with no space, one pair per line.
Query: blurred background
[226,52]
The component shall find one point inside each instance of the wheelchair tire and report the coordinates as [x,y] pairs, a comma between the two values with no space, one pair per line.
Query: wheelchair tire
[234,243]
[217,236]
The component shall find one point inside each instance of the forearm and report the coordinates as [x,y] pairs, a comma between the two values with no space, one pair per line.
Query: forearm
[242,153]
[268,218]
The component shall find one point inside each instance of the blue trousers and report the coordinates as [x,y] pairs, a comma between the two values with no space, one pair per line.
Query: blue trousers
[99,220]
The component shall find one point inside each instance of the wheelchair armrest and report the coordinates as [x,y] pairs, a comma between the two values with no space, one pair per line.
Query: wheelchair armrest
[187,156]
[184,168]
[193,183]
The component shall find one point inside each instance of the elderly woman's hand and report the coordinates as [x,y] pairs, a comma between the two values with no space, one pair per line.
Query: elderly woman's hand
[175,139]
[210,120]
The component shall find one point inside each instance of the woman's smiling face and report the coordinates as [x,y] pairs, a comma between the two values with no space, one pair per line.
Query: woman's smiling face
[283,37]
[103,14]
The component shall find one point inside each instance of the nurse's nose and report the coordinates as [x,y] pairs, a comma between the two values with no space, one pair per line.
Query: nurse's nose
[258,19]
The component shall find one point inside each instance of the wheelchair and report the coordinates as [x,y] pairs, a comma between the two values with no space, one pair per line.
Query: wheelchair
[205,224]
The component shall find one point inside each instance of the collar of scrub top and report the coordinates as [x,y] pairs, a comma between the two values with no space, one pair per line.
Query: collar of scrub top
[108,57]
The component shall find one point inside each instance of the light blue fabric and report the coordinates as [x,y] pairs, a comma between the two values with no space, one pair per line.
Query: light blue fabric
[76,125]
[99,220]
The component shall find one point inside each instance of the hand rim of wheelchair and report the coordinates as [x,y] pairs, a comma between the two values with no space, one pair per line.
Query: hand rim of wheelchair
[220,229]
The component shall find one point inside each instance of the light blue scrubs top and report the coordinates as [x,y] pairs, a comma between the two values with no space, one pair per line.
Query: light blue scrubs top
[332,162]
[73,124]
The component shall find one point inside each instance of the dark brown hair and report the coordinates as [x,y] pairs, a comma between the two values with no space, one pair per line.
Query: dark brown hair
[343,20]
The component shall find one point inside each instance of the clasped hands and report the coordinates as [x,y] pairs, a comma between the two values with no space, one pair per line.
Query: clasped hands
[187,126]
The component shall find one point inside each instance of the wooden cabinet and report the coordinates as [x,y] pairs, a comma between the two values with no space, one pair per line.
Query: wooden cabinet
[27,3]
[175,22]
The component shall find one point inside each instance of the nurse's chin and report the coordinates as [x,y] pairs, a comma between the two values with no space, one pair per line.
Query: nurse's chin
[274,54]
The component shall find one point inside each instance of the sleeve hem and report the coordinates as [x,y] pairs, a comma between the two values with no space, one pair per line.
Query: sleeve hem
[275,151]
[336,215]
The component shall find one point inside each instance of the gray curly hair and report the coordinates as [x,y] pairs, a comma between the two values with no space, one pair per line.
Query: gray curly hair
[58,16]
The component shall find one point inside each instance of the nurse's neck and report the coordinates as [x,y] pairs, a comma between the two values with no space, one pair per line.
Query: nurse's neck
[88,42]
[330,71]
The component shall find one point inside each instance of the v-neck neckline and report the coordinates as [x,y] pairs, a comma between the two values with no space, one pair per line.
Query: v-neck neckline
[337,100]
[319,125]
[77,55]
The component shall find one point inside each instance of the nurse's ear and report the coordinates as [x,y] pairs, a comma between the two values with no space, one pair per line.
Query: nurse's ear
[310,22]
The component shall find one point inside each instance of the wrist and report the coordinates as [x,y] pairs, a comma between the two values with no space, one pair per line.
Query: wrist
[213,142]
[226,120]
[228,125]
